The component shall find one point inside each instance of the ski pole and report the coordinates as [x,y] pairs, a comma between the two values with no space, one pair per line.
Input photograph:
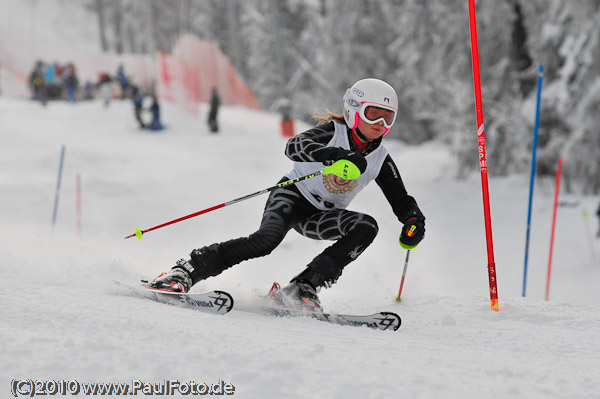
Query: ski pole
[398,298]
[342,168]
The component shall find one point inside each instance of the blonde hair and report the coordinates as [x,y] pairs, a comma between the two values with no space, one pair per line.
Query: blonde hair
[328,116]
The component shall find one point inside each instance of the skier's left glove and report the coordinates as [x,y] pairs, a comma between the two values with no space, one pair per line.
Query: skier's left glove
[334,154]
[413,230]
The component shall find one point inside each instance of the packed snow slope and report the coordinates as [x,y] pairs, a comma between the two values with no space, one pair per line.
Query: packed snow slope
[64,319]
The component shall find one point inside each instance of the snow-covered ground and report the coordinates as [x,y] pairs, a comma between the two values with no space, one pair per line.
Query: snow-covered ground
[63,318]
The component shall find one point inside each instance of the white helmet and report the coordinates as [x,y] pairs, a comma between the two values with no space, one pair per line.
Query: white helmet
[372,100]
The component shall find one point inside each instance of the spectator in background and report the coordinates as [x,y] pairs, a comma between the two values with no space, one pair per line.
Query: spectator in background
[53,87]
[58,71]
[105,88]
[138,105]
[215,101]
[155,110]
[49,74]
[36,82]
[123,81]
[71,82]
[88,91]
[598,213]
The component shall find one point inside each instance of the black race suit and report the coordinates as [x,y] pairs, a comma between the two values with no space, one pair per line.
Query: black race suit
[286,208]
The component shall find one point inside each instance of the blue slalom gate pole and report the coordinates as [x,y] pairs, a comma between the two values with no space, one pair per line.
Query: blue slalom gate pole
[533,152]
[60,168]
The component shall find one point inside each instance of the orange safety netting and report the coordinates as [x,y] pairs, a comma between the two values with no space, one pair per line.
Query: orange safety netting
[186,76]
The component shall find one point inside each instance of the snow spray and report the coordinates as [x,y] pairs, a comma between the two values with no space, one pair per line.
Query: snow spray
[532,178]
[60,168]
[482,157]
[558,172]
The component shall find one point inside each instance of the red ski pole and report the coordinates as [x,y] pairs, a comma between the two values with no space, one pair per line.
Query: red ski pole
[342,168]
[399,298]
[558,172]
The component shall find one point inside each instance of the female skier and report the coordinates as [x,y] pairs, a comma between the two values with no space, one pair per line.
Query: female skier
[316,208]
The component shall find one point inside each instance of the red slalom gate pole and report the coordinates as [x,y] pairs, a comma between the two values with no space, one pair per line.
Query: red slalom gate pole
[482,158]
[558,173]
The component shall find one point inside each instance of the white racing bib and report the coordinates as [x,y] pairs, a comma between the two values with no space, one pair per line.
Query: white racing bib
[330,191]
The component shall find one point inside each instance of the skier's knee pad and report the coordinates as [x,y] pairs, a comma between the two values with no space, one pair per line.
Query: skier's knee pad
[364,230]
[369,225]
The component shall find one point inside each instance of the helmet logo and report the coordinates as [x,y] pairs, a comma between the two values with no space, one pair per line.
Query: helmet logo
[353,103]
[386,100]
[358,92]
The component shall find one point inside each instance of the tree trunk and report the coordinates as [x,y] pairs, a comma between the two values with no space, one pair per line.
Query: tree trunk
[102,25]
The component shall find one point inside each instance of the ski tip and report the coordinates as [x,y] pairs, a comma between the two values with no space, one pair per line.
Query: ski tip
[391,321]
[222,302]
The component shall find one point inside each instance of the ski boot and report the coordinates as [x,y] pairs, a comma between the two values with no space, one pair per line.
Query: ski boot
[298,295]
[177,280]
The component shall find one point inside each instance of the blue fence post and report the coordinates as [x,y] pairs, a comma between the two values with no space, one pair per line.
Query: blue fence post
[60,168]
[532,178]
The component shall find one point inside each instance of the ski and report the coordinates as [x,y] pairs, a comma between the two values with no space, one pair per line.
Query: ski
[379,321]
[217,302]
[281,307]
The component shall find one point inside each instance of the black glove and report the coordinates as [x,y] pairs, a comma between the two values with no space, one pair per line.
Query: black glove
[336,153]
[413,230]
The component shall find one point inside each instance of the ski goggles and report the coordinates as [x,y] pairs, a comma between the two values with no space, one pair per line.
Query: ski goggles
[372,114]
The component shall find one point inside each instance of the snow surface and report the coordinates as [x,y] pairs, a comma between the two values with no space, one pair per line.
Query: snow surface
[63,318]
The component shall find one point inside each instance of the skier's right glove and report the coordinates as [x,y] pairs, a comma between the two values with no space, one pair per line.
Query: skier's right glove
[334,154]
[413,230]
